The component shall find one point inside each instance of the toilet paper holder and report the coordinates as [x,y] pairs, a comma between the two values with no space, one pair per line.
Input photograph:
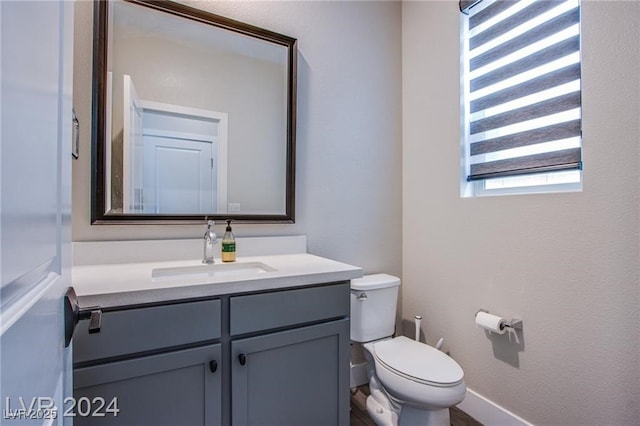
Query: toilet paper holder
[513,323]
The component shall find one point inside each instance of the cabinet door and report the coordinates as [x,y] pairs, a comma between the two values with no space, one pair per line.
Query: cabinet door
[293,377]
[175,388]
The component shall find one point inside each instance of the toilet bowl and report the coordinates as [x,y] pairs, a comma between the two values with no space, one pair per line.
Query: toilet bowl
[410,383]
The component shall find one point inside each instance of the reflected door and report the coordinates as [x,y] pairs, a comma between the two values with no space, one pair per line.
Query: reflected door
[178,175]
[131,148]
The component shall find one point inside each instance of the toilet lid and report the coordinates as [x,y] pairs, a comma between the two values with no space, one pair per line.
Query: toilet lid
[418,361]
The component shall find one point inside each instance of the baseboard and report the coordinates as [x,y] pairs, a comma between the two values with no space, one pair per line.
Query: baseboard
[488,412]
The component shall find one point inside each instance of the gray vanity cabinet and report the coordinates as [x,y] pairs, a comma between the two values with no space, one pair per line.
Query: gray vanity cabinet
[159,365]
[276,357]
[293,377]
[174,388]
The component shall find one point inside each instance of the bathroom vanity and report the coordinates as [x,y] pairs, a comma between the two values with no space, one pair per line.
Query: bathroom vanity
[258,346]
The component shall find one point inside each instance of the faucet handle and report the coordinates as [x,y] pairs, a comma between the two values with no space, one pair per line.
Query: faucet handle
[210,232]
[210,238]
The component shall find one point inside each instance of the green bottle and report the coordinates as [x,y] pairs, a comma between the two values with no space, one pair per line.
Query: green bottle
[228,245]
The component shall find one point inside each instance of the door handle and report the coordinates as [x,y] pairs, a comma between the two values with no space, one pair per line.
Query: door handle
[213,366]
[73,314]
[242,359]
[75,131]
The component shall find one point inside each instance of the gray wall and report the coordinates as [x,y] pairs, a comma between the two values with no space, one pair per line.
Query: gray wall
[567,264]
[348,188]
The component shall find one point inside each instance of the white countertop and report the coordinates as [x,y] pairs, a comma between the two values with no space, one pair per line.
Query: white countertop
[123,284]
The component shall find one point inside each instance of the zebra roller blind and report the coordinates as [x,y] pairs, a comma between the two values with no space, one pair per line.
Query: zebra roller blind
[521,77]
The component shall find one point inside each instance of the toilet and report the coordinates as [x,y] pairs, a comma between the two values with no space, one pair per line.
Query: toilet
[410,382]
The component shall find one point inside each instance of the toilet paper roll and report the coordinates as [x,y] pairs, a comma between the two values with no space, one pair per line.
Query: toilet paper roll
[493,323]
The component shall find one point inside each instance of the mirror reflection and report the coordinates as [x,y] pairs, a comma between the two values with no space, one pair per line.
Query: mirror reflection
[199,118]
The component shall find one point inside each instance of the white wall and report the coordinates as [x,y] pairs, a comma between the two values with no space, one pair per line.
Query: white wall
[567,264]
[348,183]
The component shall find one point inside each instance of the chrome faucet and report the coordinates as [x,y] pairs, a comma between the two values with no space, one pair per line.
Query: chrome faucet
[209,240]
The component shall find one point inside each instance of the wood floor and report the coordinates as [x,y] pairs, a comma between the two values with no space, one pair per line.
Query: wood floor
[359,416]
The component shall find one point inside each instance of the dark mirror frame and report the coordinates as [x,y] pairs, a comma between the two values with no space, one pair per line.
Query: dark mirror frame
[98,143]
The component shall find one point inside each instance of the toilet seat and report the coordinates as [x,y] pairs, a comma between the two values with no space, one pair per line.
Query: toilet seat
[418,362]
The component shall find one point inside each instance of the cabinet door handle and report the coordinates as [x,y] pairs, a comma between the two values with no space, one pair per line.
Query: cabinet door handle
[213,366]
[242,358]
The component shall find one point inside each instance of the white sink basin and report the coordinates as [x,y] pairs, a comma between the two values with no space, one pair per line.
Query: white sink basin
[217,270]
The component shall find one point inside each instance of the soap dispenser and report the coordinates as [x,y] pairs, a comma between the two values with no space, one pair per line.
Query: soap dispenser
[228,244]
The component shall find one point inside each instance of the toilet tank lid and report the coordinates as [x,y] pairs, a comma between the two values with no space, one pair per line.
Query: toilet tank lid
[374,281]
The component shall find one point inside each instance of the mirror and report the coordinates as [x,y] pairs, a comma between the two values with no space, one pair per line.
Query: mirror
[193,117]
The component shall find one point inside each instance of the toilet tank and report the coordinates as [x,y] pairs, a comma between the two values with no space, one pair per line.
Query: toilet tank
[373,307]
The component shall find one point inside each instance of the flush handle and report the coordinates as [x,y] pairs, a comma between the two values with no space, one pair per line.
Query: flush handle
[362,297]
[242,359]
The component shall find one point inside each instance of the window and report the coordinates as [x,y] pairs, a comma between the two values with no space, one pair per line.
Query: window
[522,96]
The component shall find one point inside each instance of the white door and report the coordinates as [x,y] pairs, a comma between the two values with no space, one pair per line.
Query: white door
[178,175]
[131,149]
[35,209]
